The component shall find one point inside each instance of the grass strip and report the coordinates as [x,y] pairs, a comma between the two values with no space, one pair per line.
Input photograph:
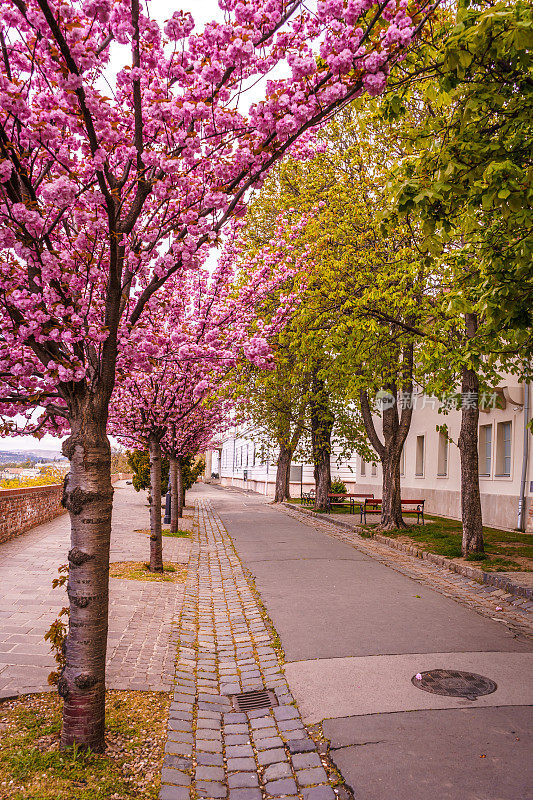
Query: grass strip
[32,767]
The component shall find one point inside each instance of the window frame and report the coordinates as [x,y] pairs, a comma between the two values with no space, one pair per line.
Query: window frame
[482,450]
[501,452]
[443,439]
[421,474]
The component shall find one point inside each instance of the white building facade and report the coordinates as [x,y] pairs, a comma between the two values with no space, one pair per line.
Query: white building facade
[430,468]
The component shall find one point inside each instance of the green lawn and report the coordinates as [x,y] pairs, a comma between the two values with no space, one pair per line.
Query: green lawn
[505,551]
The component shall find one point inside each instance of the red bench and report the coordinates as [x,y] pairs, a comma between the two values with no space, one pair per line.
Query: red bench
[408,506]
[337,499]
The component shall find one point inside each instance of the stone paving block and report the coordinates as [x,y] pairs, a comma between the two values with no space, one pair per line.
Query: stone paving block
[276,771]
[283,786]
[209,745]
[173,793]
[239,751]
[184,716]
[245,794]
[300,745]
[178,749]
[175,707]
[262,722]
[175,776]
[230,688]
[233,738]
[269,743]
[177,762]
[212,789]
[180,725]
[308,777]
[241,764]
[209,714]
[290,725]
[241,780]
[236,728]
[208,724]
[209,773]
[318,793]
[285,712]
[258,712]
[271,756]
[265,733]
[209,759]
[305,760]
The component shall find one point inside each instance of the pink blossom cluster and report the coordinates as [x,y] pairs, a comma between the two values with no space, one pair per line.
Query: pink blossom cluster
[172,366]
[106,194]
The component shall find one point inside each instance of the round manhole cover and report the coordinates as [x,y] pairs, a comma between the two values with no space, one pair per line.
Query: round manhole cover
[453,683]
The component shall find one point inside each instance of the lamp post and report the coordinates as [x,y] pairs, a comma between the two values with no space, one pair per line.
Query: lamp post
[168,504]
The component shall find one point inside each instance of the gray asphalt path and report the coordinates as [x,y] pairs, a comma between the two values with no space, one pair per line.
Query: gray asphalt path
[354,632]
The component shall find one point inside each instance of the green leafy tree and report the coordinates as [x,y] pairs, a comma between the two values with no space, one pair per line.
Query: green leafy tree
[365,292]
[467,124]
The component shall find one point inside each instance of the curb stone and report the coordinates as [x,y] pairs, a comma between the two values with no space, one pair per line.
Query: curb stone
[478,575]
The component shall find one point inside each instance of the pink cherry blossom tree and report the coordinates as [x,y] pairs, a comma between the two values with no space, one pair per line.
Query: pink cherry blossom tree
[113,181]
[179,355]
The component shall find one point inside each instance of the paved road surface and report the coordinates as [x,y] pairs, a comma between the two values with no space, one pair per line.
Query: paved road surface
[354,632]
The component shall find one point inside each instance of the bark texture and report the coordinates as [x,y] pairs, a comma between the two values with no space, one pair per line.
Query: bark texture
[468,450]
[321,427]
[156,540]
[88,496]
[283,473]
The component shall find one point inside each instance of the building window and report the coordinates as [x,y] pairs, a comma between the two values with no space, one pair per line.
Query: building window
[503,450]
[363,467]
[374,469]
[485,450]
[442,465]
[402,462]
[419,467]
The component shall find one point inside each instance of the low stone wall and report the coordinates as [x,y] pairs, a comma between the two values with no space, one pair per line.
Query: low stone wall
[22,509]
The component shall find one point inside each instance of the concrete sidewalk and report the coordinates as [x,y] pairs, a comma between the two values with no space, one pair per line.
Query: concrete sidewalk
[141,647]
[355,629]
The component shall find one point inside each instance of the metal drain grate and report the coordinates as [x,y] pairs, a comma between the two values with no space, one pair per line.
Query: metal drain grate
[249,701]
[453,683]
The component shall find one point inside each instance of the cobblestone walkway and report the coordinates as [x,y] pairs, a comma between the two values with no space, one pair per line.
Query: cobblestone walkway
[495,603]
[141,643]
[225,648]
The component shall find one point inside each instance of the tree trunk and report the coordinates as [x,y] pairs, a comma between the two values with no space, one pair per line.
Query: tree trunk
[88,496]
[180,487]
[391,506]
[468,449]
[321,427]
[156,540]
[174,502]
[283,474]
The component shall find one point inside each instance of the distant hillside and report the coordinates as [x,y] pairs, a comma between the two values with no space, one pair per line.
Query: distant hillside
[22,456]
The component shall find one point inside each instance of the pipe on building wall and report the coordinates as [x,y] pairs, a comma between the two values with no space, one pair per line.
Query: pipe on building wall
[521,524]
